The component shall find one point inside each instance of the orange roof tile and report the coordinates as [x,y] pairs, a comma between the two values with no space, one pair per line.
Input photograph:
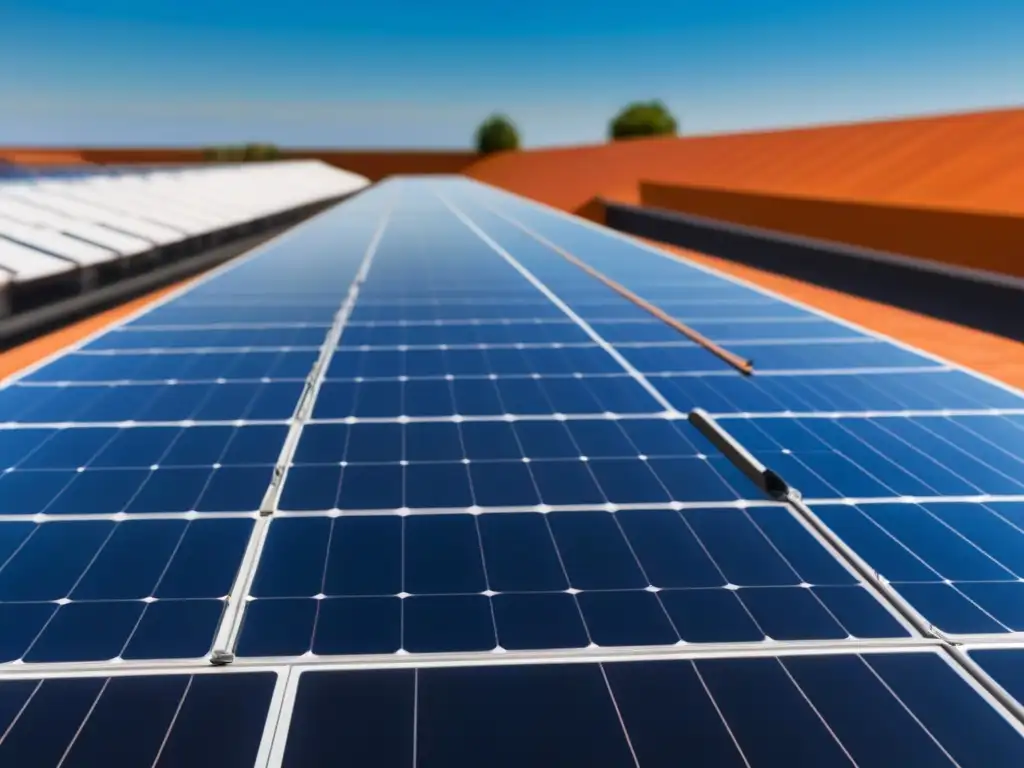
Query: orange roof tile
[969,161]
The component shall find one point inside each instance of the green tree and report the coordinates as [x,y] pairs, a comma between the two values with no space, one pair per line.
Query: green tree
[496,134]
[643,118]
[242,153]
[261,152]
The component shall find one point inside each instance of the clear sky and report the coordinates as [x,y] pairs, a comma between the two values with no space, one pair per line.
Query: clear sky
[404,73]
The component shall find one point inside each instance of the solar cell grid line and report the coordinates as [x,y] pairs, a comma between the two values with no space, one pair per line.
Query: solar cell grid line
[76,589]
[227,634]
[106,591]
[179,717]
[118,472]
[867,708]
[561,305]
[319,585]
[954,561]
[583,582]
[398,345]
[653,360]
[935,389]
[999,667]
[741,364]
[891,456]
[414,398]
[462,466]
[691,270]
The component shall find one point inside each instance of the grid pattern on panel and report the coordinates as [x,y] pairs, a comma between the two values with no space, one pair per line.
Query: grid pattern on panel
[410,436]
[529,581]
[176,719]
[867,710]
[530,515]
[132,466]
[873,442]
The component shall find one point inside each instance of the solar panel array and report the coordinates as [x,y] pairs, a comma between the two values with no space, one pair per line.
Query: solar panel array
[425,493]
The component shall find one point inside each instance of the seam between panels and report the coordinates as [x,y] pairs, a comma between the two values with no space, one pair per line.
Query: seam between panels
[560,304]
[895,601]
[970,669]
[279,719]
[231,623]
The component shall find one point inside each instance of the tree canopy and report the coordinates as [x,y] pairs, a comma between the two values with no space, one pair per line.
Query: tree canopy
[242,153]
[496,134]
[643,118]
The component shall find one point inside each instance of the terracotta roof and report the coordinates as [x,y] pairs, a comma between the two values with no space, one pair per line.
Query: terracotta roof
[970,161]
[41,157]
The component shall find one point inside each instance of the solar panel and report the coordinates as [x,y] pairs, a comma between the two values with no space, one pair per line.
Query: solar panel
[414,456]
[176,719]
[851,709]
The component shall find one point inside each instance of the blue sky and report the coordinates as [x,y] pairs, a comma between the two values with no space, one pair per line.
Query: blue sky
[399,73]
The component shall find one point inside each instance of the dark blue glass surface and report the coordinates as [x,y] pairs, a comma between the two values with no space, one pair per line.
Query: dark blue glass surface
[179,313]
[182,366]
[482,396]
[205,338]
[700,575]
[893,456]
[833,392]
[137,589]
[522,463]
[138,470]
[175,720]
[550,330]
[268,401]
[1005,667]
[878,710]
[959,564]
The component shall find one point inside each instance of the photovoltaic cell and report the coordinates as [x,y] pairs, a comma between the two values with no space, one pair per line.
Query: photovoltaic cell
[959,564]
[491,332]
[500,464]
[99,590]
[791,330]
[181,367]
[891,456]
[433,583]
[176,720]
[267,311]
[870,709]
[482,396]
[136,469]
[834,392]
[691,311]
[808,355]
[1004,665]
[376,312]
[207,401]
[207,338]
[390,363]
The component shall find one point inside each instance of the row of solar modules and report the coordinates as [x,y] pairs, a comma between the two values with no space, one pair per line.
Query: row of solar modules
[370,553]
[506,452]
[894,708]
[924,493]
[60,235]
[323,255]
